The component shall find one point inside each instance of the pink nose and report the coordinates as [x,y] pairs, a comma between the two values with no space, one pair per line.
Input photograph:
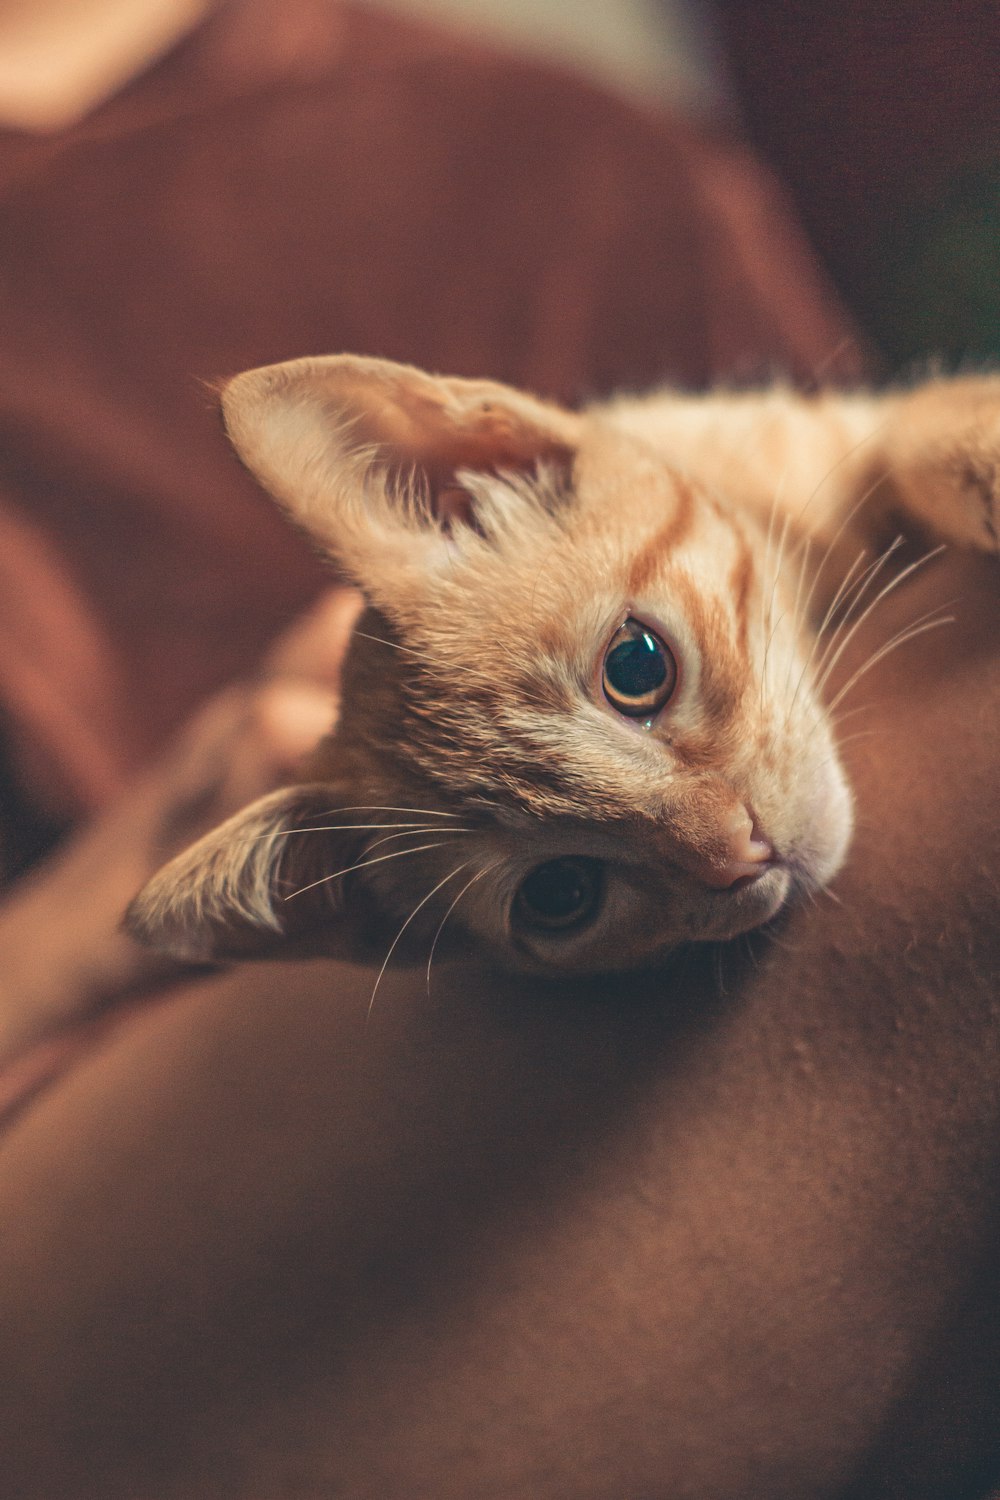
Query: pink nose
[746,856]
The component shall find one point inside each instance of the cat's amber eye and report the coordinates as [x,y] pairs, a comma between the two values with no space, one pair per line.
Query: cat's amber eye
[560,894]
[640,672]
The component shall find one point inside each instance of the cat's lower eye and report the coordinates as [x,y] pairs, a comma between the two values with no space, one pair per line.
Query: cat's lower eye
[560,894]
[640,672]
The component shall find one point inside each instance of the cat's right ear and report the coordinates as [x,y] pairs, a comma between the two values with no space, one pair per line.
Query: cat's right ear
[272,874]
[368,455]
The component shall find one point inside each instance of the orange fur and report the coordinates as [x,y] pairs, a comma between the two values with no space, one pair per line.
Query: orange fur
[476,744]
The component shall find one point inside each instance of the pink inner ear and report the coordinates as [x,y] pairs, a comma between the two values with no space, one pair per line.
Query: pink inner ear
[445,432]
[493,442]
[490,443]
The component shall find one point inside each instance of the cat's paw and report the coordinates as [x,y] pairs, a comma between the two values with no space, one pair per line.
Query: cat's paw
[944,460]
[977,480]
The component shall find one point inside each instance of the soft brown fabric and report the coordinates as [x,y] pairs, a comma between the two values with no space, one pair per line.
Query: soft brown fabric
[723,1232]
[302,177]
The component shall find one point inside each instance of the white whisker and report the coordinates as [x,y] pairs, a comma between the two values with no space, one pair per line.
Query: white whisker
[823,561]
[910,633]
[424,812]
[767,652]
[356,827]
[817,636]
[331,812]
[883,593]
[779,563]
[775,501]
[408,833]
[799,609]
[395,646]
[831,544]
[851,600]
[846,584]
[859,734]
[859,708]
[361,865]
[847,454]
[798,628]
[467,887]
[419,907]
[853,591]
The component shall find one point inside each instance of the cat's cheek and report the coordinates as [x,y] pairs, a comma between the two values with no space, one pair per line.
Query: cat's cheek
[824,846]
[732,913]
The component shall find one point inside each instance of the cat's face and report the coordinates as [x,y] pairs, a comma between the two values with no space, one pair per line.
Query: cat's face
[578,722]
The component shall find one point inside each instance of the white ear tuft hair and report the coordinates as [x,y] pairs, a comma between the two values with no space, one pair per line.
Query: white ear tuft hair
[221,897]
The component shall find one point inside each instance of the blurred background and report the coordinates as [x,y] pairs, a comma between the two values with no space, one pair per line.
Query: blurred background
[60,56]
[666,51]
[883,121]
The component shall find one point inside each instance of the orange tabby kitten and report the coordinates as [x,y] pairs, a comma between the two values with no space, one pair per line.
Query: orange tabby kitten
[583,715]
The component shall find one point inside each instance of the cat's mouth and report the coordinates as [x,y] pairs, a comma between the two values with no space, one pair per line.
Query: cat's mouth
[756,898]
[743,882]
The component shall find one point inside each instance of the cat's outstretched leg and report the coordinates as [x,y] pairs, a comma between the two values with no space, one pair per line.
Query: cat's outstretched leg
[942,452]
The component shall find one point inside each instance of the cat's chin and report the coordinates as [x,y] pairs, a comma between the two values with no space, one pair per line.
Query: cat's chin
[755,902]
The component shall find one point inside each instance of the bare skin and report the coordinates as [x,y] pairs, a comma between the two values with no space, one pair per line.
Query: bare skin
[636,1239]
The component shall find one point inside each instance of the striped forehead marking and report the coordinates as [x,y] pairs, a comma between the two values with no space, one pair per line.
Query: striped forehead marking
[739,585]
[666,539]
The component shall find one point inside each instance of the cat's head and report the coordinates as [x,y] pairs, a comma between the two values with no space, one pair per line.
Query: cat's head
[578,717]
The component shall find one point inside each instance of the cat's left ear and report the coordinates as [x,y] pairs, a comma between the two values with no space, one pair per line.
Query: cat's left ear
[332,438]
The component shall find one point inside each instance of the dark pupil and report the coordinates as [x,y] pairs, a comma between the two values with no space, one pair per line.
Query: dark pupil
[636,667]
[560,891]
